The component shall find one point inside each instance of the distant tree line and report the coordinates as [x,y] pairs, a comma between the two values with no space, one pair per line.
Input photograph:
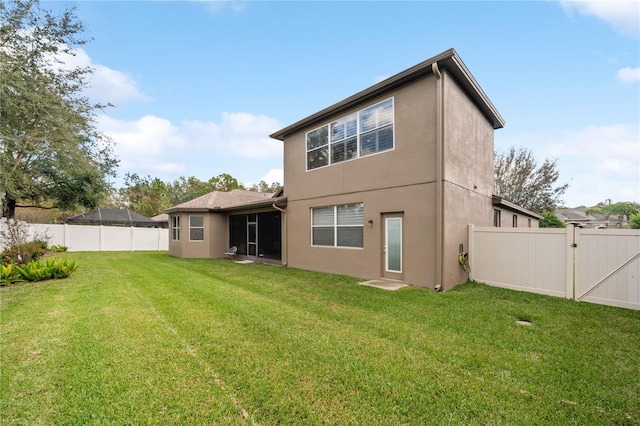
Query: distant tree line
[620,210]
[151,196]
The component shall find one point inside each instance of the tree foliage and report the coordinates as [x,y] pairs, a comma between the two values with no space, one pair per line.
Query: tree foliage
[619,210]
[550,220]
[634,221]
[50,148]
[150,196]
[265,187]
[145,195]
[225,182]
[520,179]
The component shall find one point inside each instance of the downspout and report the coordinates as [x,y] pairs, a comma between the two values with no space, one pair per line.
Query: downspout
[286,234]
[439,177]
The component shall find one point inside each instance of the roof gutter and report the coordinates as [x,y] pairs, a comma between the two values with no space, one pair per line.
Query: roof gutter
[439,175]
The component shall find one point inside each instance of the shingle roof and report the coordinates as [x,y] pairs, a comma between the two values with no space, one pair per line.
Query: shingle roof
[573,214]
[218,200]
[110,217]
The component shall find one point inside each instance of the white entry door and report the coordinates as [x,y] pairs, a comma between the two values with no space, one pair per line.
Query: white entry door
[393,247]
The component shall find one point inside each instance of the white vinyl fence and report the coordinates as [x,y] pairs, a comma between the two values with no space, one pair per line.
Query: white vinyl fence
[593,265]
[100,238]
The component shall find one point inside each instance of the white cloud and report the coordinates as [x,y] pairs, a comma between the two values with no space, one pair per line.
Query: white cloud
[629,75]
[146,146]
[598,162]
[238,134]
[152,145]
[601,162]
[105,85]
[273,176]
[621,15]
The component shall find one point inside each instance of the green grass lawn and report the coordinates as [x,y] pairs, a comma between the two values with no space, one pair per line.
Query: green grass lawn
[143,338]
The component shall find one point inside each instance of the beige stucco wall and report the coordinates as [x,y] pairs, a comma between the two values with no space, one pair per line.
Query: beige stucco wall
[402,180]
[468,175]
[216,237]
[418,227]
[411,162]
[506,219]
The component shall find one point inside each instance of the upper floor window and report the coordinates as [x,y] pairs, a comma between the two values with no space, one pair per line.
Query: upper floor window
[362,133]
[496,218]
[196,227]
[175,228]
[515,221]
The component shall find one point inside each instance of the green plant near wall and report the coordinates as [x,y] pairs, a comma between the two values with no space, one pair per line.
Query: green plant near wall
[36,271]
[9,274]
[550,220]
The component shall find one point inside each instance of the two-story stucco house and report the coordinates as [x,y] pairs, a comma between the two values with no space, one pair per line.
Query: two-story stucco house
[380,185]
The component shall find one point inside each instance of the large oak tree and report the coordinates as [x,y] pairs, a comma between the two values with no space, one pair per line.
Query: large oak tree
[51,151]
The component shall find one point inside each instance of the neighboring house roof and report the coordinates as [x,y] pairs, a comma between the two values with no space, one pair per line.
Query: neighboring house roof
[580,215]
[448,60]
[233,200]
[162,217]
[112,217]
[574,215]
[507,205]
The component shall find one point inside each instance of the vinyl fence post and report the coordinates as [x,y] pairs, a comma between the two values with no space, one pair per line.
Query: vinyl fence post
[65,235]
[470,253]
[570,292]
[133,233]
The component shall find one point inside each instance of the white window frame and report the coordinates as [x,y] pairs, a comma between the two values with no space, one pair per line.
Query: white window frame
[336,226]
[341,121]
[175,228]
[196,227]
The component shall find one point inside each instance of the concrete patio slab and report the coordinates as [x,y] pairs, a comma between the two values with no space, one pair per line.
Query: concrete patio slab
[385,285]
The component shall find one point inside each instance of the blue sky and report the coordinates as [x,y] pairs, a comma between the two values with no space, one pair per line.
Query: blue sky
[198,86]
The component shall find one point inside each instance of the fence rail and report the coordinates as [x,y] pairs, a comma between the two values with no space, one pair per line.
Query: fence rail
[100,238]
[593,265]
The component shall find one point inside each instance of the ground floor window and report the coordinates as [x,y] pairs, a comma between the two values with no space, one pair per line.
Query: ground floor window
[196,227]
[257,234]
[337,226]
[175,228]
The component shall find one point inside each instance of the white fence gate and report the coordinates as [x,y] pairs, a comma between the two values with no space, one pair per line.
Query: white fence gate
[593,265]
[101,238]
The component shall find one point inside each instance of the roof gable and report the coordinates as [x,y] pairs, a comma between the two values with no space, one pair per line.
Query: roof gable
[218,200]
[447,60]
